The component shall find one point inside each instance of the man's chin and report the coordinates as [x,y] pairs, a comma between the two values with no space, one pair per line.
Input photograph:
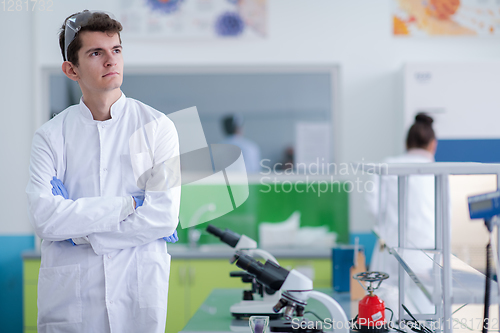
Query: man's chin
[112,88]
[113,84]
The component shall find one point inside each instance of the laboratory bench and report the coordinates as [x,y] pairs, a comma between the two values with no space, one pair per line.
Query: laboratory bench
[202,291]
[194,273]
[213,315]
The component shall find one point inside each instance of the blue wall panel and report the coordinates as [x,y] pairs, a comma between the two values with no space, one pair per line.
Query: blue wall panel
[484,151]
[11,281]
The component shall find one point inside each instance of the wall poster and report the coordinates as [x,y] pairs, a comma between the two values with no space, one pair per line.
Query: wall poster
[194,19]
[446,17]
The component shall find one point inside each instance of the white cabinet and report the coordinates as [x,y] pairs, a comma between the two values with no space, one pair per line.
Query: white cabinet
[462,97]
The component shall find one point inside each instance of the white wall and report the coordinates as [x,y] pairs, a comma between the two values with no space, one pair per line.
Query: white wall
[16,127]
[357,34]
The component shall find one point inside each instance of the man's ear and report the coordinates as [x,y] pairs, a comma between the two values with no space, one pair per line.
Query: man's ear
[69,70]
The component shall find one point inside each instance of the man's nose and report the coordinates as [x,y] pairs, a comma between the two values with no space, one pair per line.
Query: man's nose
[110,59]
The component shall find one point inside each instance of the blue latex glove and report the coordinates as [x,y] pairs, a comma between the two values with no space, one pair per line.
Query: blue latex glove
[172,238]
[59,189]
[138,201]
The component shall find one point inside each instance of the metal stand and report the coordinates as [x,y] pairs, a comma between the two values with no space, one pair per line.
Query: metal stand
[443,281]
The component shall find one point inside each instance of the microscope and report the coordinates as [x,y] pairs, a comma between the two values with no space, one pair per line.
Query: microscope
[487,207]
[249,306]
[296,290]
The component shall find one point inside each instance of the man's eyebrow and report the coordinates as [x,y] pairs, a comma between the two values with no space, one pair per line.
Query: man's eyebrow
[101,49]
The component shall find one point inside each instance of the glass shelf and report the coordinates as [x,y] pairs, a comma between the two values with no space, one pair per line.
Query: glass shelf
[425,269]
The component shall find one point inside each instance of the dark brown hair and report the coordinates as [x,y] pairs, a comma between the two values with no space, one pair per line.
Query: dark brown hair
[230,126]
[421,132]
[97,22]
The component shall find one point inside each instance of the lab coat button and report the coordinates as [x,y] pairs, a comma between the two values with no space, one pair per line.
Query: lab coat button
[110,302]
[109,257]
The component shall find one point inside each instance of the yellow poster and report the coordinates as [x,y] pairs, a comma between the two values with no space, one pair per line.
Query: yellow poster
[446,17]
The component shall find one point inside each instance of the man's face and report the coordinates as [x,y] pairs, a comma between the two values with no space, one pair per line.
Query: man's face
[100,60]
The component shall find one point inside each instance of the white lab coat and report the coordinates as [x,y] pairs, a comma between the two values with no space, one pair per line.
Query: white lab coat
[383,204]
[249,149]
[119,282]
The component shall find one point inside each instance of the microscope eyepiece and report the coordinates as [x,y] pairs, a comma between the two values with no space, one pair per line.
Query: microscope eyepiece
[249,264]
[269,274]
[215,231]
[227,236]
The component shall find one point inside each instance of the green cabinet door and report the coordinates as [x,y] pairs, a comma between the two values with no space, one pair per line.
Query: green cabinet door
[29,306]
[31,267]
[191,281]
[208,274]
[30,284]
[177,308]
[319,269]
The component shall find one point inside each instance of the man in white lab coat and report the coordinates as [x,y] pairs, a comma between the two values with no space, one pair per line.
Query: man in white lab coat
[109,151]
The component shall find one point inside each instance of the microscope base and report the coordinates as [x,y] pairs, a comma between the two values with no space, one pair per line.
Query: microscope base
[295,326]
[370,329]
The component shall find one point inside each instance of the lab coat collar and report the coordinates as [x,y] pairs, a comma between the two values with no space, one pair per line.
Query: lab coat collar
[116,110]
[421,152]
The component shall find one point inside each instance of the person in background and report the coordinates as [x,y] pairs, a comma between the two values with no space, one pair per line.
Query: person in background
[102,195]
[421,145]
[233,128]
[288,159]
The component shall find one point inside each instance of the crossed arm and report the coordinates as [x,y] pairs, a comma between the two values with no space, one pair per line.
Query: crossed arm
[59,189]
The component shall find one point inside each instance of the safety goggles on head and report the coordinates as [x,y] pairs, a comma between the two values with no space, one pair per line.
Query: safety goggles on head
[75,23]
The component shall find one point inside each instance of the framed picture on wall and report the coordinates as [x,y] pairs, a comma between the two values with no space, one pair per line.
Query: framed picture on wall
[194,19]
[446,18]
